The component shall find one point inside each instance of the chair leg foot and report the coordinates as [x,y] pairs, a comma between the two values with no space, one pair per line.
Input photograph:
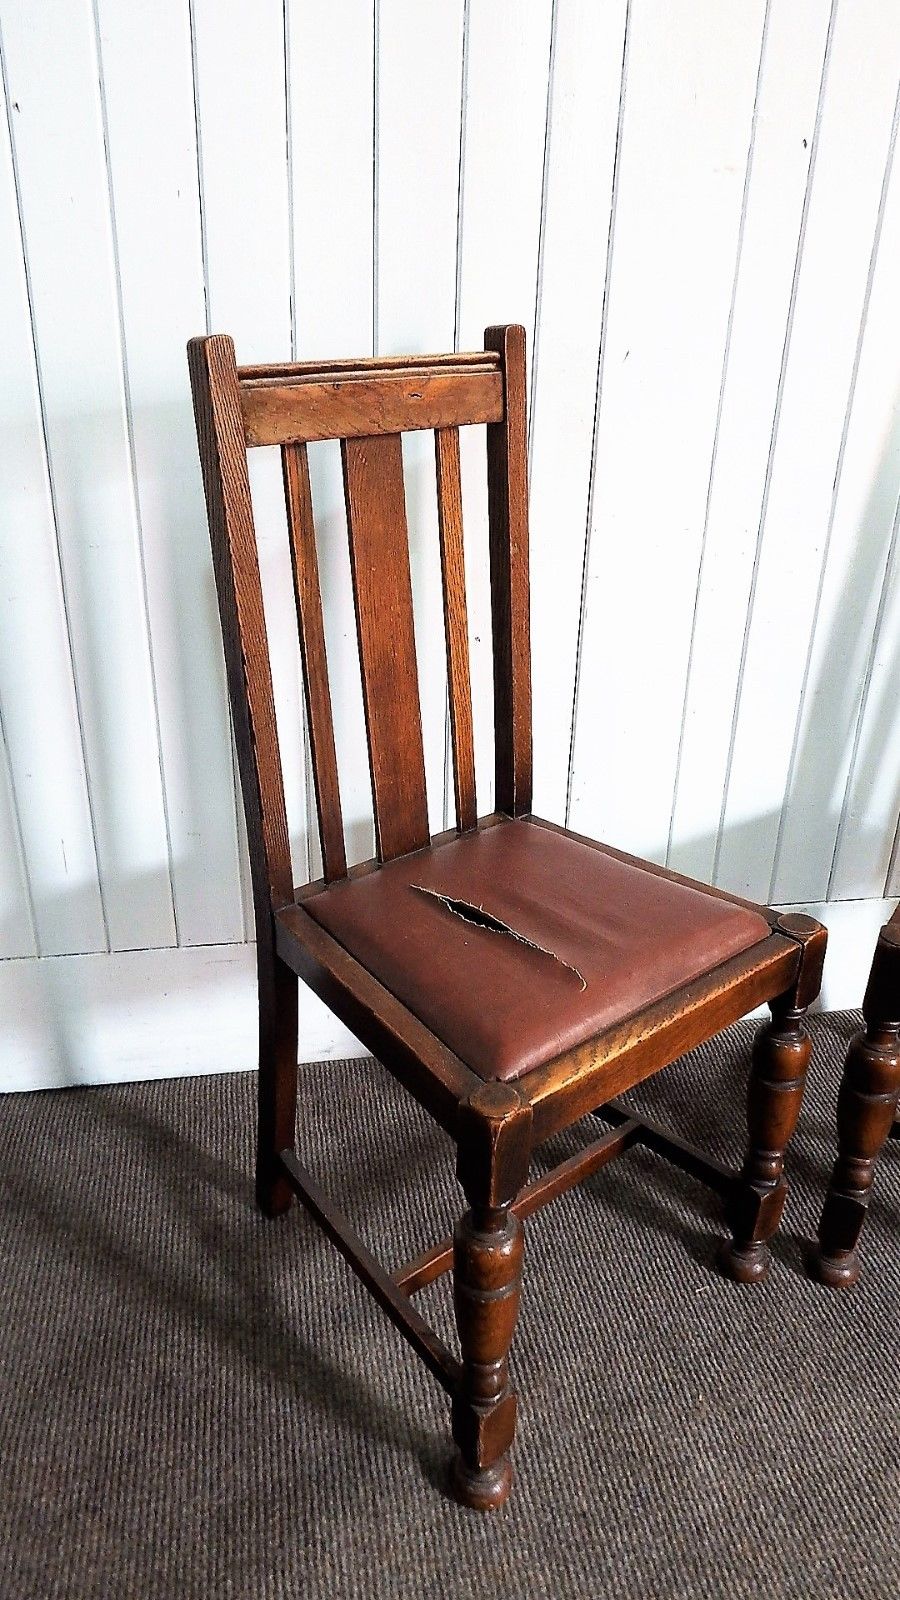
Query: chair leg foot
[837,1271]
[745,1264]
[781,1055]
[274,1195]
[482,1490]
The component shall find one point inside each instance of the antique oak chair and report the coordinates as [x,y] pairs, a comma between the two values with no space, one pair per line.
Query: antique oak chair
[867,1103]
[514,976]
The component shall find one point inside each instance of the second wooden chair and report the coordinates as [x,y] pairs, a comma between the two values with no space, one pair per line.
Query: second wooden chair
[867,1105]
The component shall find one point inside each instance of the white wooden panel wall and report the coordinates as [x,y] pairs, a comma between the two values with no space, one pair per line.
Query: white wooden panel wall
[420,72]
[331,160]
[695,211]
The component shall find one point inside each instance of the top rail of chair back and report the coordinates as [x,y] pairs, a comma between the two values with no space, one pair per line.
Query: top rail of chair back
[303,402]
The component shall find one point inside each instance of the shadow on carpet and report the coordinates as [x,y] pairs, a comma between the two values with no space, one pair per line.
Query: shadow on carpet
[197,1402]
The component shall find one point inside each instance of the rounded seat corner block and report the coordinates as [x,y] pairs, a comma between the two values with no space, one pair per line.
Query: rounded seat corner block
[517,942]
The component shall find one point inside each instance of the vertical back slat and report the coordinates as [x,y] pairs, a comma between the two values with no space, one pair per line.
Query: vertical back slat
[382,592]
[456,624]
[508,514]
[307,594]
[220,432]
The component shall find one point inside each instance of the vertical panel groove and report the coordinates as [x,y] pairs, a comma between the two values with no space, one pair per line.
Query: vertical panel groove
[748,173]
[838,472]
[463,86]
[892,864]
[236,805]
[289,160]
[204,242]
[132,460]
[293,312]
[776,416]
[539,277]
[21,857]
[601,353]
[864,699]
[54,499]
[463,105]
[242,116]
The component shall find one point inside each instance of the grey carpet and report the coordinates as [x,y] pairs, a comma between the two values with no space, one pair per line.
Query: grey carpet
[196,1402]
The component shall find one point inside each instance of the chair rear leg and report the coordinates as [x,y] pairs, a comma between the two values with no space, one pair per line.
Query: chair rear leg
[781,1055]
[277,1084]
[494,1151]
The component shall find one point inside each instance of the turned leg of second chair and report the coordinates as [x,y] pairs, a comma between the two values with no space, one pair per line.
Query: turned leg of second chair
[866,1105]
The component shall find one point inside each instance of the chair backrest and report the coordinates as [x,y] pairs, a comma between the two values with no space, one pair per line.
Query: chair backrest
[367,405]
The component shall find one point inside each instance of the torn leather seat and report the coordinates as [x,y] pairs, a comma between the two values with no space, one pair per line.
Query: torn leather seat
[550,939]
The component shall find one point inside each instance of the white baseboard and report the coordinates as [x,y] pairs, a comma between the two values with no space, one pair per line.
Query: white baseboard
[176,1013]
[142,1014]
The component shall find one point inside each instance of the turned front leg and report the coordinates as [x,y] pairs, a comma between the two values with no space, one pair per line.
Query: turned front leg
[866,1105]
[487,1278]
[781,1056]
[494,1150]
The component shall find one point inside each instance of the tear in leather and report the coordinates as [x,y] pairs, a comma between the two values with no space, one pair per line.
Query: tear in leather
[479,918]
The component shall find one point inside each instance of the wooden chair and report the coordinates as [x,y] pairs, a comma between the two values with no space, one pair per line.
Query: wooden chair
[514,976]
[867,1104]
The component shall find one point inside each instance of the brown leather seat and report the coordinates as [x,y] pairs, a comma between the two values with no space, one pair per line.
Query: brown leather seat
[598,939]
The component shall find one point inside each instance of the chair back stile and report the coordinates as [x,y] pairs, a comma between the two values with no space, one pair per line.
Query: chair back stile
[367,406]
[223,459]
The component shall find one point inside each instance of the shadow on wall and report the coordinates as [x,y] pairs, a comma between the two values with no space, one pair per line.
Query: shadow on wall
[833,695]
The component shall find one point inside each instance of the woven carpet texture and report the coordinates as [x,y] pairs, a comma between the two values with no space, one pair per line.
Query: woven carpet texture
[197,1402]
